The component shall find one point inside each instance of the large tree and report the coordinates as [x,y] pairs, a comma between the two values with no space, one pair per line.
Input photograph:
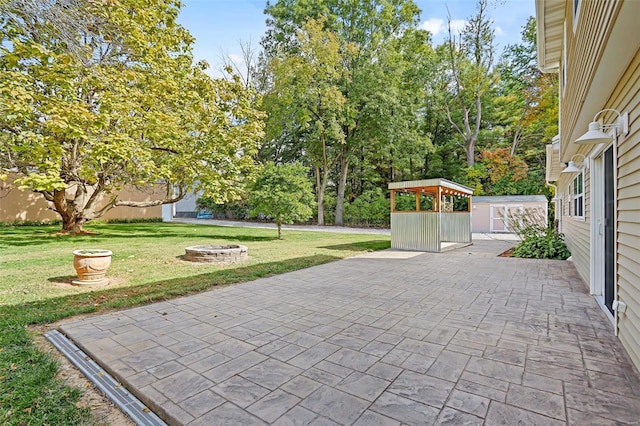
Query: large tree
[375,39]
[306,100]
[468,76]
[527,105]
[87,109]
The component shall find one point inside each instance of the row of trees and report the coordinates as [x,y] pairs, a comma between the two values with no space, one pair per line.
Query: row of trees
[95,96]
[362,97]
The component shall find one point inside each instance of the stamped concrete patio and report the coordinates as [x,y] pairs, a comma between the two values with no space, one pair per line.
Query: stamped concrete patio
[389,338]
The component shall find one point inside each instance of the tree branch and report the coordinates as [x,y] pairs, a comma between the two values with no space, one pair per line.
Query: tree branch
[152,203]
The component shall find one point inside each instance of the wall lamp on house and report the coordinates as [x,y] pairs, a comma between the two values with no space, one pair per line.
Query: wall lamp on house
[572,168]
[598,132]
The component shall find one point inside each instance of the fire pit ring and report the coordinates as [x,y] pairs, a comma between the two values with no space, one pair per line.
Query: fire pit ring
[228,253]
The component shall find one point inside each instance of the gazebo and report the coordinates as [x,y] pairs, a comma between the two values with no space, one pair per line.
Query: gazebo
[438,219]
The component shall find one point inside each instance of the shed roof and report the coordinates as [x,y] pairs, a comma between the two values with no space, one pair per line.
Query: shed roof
[510,199]
[416,185]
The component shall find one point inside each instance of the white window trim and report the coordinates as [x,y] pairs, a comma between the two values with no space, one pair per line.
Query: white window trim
[575,196]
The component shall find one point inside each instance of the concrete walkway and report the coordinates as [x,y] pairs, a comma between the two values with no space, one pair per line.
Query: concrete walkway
[388,338]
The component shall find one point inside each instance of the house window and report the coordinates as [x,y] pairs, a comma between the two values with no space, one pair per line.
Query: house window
[578,196]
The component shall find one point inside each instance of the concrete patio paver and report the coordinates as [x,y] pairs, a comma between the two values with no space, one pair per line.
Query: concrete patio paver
[463,337]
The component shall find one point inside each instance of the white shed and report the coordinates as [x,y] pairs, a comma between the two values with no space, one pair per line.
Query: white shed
[492,213]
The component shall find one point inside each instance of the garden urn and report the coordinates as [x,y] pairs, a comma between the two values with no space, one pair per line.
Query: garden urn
[91,266]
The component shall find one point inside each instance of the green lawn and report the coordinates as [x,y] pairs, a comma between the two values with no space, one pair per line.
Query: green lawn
[36,266]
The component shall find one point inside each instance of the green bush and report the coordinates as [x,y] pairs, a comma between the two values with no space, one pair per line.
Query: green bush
[235,210]
[370,208]
[136,220]
[30,223]
[405,202]
[547,245]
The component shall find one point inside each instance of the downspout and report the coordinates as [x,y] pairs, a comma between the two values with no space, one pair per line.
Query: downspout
[555,200]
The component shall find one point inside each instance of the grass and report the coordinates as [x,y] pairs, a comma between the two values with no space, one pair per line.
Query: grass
[36,265]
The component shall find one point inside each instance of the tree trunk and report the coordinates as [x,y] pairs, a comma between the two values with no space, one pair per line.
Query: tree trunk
[321,184]
[279,229]
[72,219]
[73,225]
[342,183]
[471,152]
[88,203]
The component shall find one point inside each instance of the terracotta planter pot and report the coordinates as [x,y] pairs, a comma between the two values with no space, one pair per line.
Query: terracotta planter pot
[91,266]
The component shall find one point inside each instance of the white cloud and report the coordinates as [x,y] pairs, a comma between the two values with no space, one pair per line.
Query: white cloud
[433,25]
[499,31]
[436,25]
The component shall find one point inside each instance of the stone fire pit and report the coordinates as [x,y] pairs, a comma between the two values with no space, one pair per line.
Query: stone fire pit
[230,253]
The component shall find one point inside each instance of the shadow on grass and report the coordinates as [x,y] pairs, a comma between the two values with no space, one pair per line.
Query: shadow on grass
[47,311]
[42,235]
[32,381]
[371,245]
[65,279]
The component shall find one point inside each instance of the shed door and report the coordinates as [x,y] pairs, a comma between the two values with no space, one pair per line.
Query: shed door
[502,214]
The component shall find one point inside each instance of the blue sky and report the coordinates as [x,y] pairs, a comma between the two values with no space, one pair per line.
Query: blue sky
[220,25]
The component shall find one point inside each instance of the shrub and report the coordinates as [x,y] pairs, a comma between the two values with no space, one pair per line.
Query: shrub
[538,240]
[236,210]
[547,245]
[370,208]
[30,223]
[136,220]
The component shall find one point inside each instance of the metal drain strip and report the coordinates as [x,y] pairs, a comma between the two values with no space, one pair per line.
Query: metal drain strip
[115,391]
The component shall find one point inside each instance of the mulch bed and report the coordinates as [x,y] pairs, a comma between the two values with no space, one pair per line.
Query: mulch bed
[508,253]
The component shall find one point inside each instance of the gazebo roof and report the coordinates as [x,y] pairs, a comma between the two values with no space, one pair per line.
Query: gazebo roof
[431,186]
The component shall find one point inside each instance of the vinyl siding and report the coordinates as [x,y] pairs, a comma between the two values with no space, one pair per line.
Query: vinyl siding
[602,71]
[626,97]
[583,52]
[577,230]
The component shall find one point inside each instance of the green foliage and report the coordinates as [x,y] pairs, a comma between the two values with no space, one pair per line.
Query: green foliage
[136,220]
[548,245]
[526,105]
[538,240]
[282,193]
[236,209]
[347,90]
[467,80]
[405,202]
[370,208]
[116,102]
[29,223]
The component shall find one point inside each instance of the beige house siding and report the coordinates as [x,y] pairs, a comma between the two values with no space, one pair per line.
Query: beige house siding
[626,97]
[24,205]
[584,53]
[577,237]
[602,70]
[576,229]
